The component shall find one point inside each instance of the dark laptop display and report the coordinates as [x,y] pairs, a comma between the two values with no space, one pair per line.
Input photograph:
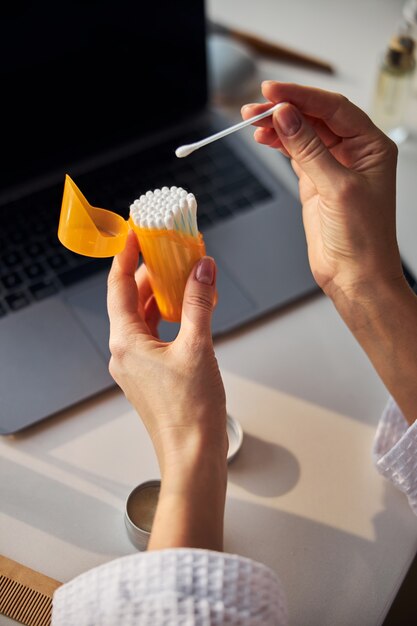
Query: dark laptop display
[105,91]
[85,76]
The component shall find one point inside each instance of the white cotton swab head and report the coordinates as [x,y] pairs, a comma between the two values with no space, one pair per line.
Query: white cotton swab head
[169,221]
[184,151]
[166,209]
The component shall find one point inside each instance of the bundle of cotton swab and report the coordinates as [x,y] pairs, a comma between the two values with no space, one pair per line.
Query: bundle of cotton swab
[166,209]
[165,222]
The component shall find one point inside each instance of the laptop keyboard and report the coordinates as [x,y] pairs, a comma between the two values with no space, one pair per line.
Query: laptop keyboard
[33,263]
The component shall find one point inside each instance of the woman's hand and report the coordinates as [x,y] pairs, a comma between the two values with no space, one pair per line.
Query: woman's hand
[175,387]
[346,168]
[178,392]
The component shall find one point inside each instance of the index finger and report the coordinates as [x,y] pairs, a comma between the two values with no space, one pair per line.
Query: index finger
[267,134]
[122,290]
[341,116]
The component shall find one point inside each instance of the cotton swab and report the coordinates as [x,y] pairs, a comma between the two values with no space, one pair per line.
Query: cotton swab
[166,209]
[183,151]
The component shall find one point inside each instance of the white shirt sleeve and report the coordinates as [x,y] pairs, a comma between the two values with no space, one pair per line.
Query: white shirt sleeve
[181,586]
[395,451]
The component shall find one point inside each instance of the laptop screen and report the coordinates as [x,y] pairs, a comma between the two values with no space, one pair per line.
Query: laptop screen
[86,75]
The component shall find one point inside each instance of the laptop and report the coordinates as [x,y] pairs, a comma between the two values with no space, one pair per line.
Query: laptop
[105,91]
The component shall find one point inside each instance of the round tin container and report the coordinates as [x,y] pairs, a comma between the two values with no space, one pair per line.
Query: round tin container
[140,510]
[142,501]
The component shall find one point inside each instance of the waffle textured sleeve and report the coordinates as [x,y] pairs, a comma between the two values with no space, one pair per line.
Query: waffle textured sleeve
[395,451]
[181,587]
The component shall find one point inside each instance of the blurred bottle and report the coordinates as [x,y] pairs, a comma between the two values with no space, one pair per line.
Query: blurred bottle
[408,27]
[393,88]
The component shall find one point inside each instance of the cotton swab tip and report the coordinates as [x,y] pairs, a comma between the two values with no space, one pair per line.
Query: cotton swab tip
[184,151]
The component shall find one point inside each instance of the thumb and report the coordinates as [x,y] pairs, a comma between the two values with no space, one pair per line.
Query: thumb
[305,146]
[198,300]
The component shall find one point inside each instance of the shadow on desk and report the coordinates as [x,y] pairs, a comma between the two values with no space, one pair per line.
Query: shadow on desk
[330,576]
[62,511]
[264,468]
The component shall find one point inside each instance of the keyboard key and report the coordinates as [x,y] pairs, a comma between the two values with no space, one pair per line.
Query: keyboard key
[43,289]
[52,242]
[230,187]
[238,204]
[223,211]
[259,194]
[12,280]
[2,309]
[56,261]
[11,258]
[17,301]
[88,268]
[34,270]
[17,236]
[34,249]
[203,199]
[39,227]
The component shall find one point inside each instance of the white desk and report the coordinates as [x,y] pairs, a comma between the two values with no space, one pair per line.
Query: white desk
[303,495]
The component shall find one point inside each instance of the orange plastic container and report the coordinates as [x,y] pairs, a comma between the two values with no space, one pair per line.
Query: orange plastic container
[169,255]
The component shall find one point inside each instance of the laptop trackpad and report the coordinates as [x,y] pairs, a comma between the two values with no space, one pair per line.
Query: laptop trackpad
[50,364]
[233,303]
[88,301]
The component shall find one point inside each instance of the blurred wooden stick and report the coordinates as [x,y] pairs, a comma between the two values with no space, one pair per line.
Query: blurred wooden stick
[272,50]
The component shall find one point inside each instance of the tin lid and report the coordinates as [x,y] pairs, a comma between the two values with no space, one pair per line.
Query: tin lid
[235,436]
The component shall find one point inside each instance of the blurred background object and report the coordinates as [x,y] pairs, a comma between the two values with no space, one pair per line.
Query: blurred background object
[408,24]
[232,71]
[393,88]
[232,54]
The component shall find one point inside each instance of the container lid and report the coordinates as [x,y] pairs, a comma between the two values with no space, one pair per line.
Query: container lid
[235,436]
[89,230]
[400,54]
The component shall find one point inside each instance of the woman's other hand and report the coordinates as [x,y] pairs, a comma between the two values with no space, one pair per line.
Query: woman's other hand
[346,169]
[178,392]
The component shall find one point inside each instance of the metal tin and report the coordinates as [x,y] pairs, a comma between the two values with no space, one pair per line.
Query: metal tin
[140,510]
[142,501]
[235,436]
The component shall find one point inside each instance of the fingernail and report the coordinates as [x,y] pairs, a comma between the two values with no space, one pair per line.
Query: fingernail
[288,119]
[205,271]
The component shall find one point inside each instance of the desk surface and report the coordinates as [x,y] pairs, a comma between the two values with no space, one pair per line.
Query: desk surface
[303,495]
